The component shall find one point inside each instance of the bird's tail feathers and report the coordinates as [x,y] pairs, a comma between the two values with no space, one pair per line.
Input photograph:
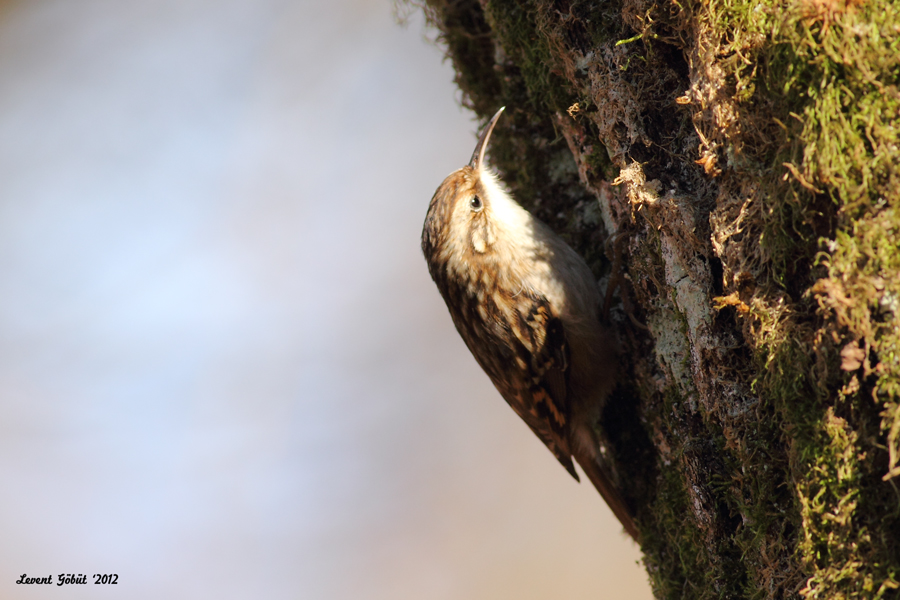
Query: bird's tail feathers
[610,494]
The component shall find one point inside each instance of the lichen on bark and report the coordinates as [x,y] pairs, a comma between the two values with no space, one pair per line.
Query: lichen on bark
[734,165]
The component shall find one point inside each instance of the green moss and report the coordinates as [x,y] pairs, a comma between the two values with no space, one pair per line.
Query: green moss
[833,79]
[599,162]
[516,25]
[675,555]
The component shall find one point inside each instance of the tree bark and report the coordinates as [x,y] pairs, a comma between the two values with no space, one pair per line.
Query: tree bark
[729,170]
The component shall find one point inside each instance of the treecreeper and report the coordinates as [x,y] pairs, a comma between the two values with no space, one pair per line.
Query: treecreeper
[528,308]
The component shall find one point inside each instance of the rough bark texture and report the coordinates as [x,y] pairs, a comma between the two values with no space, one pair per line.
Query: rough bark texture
[733,164]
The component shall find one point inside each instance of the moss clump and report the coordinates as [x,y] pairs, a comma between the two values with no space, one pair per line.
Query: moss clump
[826,75]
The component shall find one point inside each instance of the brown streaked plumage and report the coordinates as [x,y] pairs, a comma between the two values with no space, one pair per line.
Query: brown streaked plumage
[527,306]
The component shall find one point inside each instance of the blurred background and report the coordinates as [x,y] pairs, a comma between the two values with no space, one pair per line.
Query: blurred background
[224,370]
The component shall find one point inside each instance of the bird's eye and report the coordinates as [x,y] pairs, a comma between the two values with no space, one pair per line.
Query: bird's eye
[475,203]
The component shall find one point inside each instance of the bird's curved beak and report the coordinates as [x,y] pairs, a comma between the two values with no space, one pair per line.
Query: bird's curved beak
[478,156]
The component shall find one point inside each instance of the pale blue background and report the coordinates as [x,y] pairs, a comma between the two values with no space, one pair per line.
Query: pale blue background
[224,371]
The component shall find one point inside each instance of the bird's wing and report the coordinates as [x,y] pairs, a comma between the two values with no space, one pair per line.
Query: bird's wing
[522,347]
[538,387]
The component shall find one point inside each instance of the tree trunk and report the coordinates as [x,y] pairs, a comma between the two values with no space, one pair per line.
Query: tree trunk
[729,169]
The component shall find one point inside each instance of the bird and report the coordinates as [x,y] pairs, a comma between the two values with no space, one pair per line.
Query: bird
[528,308]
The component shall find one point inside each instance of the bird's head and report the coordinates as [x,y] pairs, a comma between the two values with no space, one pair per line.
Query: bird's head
[470,214]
